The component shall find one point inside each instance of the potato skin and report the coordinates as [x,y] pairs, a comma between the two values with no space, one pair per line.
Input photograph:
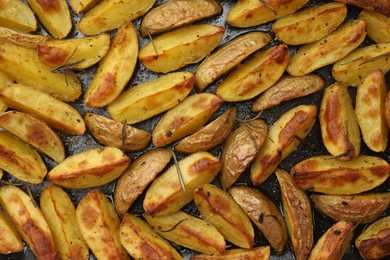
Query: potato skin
[377,25]
[10,241]
[26,40]
[256,253]
[382,6]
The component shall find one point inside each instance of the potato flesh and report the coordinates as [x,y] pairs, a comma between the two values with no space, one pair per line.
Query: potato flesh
[4,81]
[29,41]
[257,253]
[82,5]
[10,241]
[15,14]
[378,28]
[382,6]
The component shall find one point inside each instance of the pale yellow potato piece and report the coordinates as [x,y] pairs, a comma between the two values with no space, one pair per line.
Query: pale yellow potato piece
[26,40]
[90,168]
[60,214]
[256,253]
[4,81]
[10,241]
[15,14]
[378,25]
[329,49]
[382,6]
[176,49]
[151,98]
[82,5]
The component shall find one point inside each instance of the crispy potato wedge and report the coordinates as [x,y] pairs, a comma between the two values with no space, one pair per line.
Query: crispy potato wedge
[60,214]
[359,209]
[138,176]
[188,231]
[257,253]
[378,28]
[354,68]
[90,168]
[228,56]
[165,195]
[282,140]
[54,112]
[334,242]
[210,135]
[339,126]
[288,88]
[82,5]
[113,133]
[387,109]
[20,160]
[240,149]
[247,13]
[264,214]
[10,241]
[177,13]
[99,225]
[4,81]
[332,176]
[382,6]
[186,118]
[15,14]
[54,16]
[255,76]
[298,215]
[141,242]
[151,98]
[26,40]
[329,49]
[29,221]
[373,242]
[176,49]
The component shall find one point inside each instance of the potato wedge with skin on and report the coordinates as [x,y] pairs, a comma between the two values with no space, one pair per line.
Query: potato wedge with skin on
[176,49]
[228,56]
[382,6]
[82,5]
[141,242]
[332,176]
[256,253]
[10,241]
[378,25]
[60,214]
[138,176]
[165,195]
[26,40]
[151,98]
[282,141]
[4,81]
[15,14]
[254,77]
[188,231]
[329,49]
[29,221]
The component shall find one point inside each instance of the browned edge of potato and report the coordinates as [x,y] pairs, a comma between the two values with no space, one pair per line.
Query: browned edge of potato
[10,241]
[256,253]
[382,6]
[377,25]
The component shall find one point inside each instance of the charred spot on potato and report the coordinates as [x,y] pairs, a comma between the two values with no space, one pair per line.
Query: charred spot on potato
[261,218]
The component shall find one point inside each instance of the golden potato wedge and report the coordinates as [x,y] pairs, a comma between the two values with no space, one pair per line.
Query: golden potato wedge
[99,225]
[188,231]
[298,215]
[358,209]
[288,88]
[90,168]
[339,126]
[51,110]
[1,173]
[378,28]
[382,6]
[110,14]
[26,40]
[10,241]
[115,69]
[177,13]
[210,135]
[311,24]
[264,214]
[165,195]
[176,49]
[354,68]
[138,176]
[255,76]
[82,5]
[228,56]
[387,109]
[111,133]
[152,97]
[329,49]
[334,242]
[29,222]
[247,13]
[240,149]
[4,81]
[15,14]
[54,16]
[256,253]
[282,140]
[332,176]
[373,242]
[186,118]
[141,242]
[60,214]
[20,160]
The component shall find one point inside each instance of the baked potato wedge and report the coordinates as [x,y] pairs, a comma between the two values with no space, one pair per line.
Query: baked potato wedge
[328,175]
[256,253]
[377,25]
[228,56]
[4,81]
[188,231]
[82,5]
[329,49]
[26,40]
[151,98]
[264,214]
[10,241]
[358,209]
[29,221]
[186,118]
[60,214]
[255,76]
[282,140]
[99,225]
[382,6]
[15,14]
[176,49]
